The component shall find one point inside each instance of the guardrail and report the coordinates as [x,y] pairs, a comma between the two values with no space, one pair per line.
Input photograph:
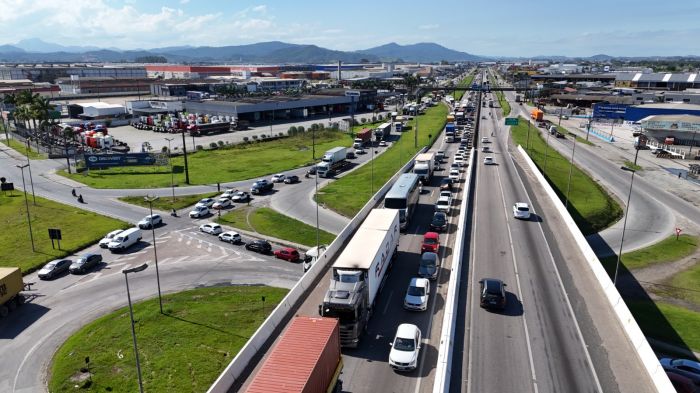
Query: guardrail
[443,368]
[268,331]
[634,333]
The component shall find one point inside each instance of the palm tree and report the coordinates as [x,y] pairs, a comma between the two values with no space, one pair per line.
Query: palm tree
[41,107]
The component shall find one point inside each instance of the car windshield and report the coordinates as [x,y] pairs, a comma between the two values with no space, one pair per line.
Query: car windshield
[523,208]
[443,202]
[492,288]
[404,344]
[439,219]
[416,291]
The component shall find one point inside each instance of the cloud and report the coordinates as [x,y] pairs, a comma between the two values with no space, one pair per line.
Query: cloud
[184,1]
[260,9]
[429,27]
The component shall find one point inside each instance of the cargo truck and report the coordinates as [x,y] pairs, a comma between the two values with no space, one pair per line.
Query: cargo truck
[398,126]
[11,285]
[537,115]
[359,273]
[306,359]
[208,128]
[332,161]
[362,137]
[424,166]
[381,133]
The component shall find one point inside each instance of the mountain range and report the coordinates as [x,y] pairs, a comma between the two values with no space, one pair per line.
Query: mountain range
[36,50]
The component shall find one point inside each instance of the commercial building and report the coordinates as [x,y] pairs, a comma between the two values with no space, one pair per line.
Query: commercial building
[639,112]
[81,86]
[51,72]
[663,81]
[16,86]
[672,129]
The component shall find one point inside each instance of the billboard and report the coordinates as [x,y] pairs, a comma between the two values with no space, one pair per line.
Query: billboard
[129,159]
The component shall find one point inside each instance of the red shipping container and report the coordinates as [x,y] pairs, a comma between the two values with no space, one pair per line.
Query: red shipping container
[304,360]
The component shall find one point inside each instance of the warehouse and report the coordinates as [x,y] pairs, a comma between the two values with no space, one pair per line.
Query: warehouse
[672,129]
[639,112]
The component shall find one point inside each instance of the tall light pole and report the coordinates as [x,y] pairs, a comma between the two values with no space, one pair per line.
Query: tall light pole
[624,224]
[26,202]
[170,163]
[150,200]
[571,168]
[131,314]
[29,166]
[546,150]
[313,134]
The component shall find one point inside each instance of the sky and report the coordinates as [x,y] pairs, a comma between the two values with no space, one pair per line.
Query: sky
[487,28]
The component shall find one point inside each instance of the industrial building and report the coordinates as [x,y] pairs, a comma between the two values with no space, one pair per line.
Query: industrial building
[103,85]
[672,129]
[51,72]
[635,113]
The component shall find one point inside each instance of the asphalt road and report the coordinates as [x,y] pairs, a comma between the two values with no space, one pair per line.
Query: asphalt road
[366,368]
[187,258]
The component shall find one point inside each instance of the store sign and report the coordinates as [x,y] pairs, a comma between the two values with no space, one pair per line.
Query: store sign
[111,160]
[670,125]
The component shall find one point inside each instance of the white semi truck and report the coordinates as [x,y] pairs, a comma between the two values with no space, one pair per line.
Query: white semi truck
[332,161]
[359,273]
[424,166]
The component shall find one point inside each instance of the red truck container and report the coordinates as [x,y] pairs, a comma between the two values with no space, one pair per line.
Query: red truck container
[362,137]
[305,360]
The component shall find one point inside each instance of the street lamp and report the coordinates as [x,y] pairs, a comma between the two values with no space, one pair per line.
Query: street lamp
[627,209]
[150,200]
[26,202]
[131,314]
[29,166]
[571,169]
[170,163]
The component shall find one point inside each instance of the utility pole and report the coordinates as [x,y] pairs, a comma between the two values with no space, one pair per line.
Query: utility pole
[184,150]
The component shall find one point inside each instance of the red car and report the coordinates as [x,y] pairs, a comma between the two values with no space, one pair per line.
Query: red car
[431,242]
[288,254]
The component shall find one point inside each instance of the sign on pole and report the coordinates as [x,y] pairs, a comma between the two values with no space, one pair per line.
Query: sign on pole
[511,121]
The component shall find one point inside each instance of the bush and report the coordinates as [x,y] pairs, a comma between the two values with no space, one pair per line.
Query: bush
[220,143]
[213,145]
[292,131]
[301,129]
[363,120]
[255,137]
[263,136]
[164,149]
[281,134]
[246,139]
[199,147]
[374,119]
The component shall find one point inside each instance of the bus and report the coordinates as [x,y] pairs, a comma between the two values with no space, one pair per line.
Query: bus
[403,196]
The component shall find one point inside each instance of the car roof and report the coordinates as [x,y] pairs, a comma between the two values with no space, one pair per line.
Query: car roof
[419,282]
[290,249]
[231,233]
[443,214]
[431,235]
[429,256]
[492,283]
[444,198]
[522,204]
[406,330]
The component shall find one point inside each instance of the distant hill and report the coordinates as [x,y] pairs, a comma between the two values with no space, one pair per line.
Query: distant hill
[421,52]
[40,46]
[10,49]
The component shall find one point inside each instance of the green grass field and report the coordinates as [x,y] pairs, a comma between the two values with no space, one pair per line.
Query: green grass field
[566,132]
[184,350]
[666,322]
[502,102]
[22,149]
[238,162]
[166,203]
[684,285]
[348,194]
[271,223]
[667,250]
[458,94]
[79,229]
[590,206]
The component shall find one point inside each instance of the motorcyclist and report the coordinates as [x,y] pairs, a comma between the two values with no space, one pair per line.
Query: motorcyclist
[80,198]
[73,192]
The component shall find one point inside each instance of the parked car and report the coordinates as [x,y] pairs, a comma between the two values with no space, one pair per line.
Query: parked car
[230,237]
[150,221]
[240,196]
[222,203]
[291,179]
[278,178]
[85,263]
[261,186]
[54,268]
[288,254]
[439,222]
[521,210]
[417,294]
[428,267]
[228,193]
[206,202]
[492,293]
[684,367]
[681,383]
[108,238]
[259,246]
[405,348]
[211,228]
[199,211]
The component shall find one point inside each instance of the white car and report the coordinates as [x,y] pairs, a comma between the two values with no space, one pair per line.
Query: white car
[405,348]
[446,194]
[417,294]
[150,221]
[459,161]
[222,203]
[230,237]
[521,210]
[382,143]
[108,238]
[206,202]
[484,140]
[199,211]
[211,228]
[489,161]
[278,178]
[240,196]
[455,175]
[443,204]
[228,193]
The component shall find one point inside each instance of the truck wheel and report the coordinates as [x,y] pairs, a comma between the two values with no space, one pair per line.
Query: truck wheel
[20,300]
[3,311]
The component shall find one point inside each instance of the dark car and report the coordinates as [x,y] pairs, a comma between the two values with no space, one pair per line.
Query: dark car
[428,267]
[439,222]
[54,268]
[291,179]
[261,186]
[680,383]
[259,246]
[493,293]
[85,263]
[446,184]
[350,155]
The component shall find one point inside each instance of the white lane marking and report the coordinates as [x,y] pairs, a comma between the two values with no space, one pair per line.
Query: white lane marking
[517,281]
[566,295]
[388,302]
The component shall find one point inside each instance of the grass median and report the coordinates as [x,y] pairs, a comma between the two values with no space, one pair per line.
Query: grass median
[348,194]
[79,229]
[184,349]
[684,285]
[266,221]
[590,205]
[232,163]
[667,322]
[166,203]
[466,82]
[22,149]
[502,102]
[667,250]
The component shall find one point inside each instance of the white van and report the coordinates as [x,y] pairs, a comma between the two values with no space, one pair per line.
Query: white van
[125,240]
